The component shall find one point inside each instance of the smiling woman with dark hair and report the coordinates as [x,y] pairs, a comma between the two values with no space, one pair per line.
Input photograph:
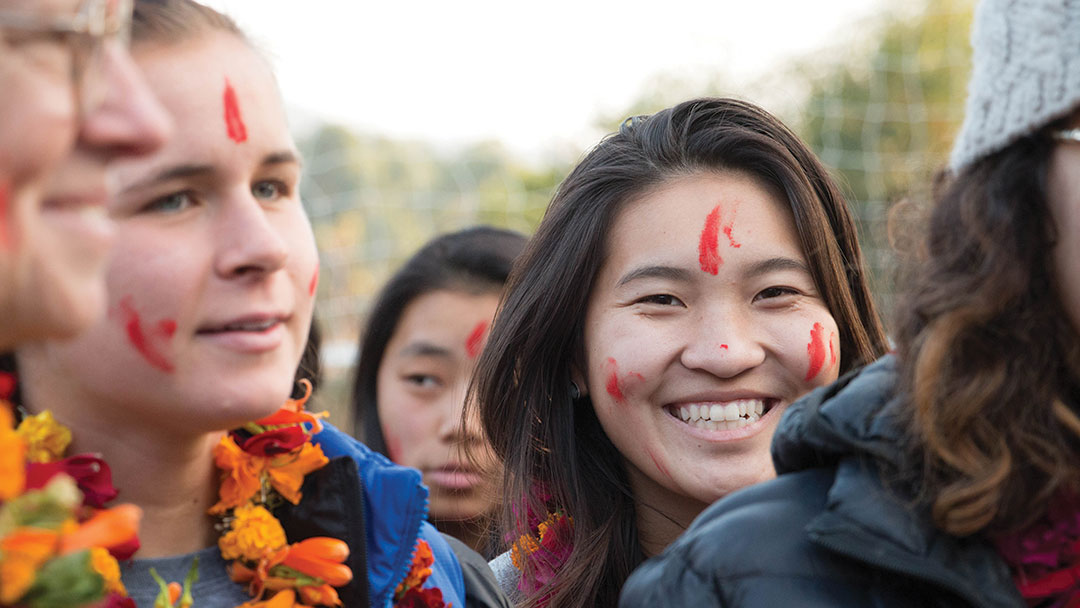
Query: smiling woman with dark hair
[695,274]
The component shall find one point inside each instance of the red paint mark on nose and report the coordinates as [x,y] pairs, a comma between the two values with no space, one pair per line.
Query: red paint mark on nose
[832,350]
[709,245]
[659,465]
[314,284]
[816,350]
[613,382]
[724,347]
[139,339]
[234,123]
[475,341]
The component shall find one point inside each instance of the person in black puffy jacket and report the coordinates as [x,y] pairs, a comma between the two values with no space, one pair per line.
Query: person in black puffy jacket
[943,475]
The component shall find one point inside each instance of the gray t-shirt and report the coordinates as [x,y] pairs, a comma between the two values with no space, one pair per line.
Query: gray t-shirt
[214,589]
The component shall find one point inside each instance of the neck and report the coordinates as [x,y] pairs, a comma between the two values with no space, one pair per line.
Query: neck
[169,475]
[472,532]
[662,515]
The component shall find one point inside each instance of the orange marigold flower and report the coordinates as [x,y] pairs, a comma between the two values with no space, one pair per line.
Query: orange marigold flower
[46,439]
[283,599]
[107,528]
[24,550]
[419,570]
[243,472]
[12,463]
[254,534]
[320,557]
[323,595]
[105,564]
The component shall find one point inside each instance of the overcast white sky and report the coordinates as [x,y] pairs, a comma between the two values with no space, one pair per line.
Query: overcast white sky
[531,74]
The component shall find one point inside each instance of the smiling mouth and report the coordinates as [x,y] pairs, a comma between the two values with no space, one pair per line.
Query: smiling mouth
[726,416]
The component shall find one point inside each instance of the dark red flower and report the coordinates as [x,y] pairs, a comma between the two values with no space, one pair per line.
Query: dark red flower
[7,385]
[421,598]
[125,550]
[115,600]
[90,472]
[272,443]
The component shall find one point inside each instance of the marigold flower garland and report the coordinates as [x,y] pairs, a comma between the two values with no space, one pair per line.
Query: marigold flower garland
[58,542]
[545,550]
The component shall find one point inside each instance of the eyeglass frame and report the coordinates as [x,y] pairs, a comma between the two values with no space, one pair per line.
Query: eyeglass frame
[91,21]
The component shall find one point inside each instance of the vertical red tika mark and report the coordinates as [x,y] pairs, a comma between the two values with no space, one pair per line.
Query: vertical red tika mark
[314,284]
[659,466]
[728,227]
[476,339]
[832,350]
[709,246]
[138,339]
[234,123]
[816,350]
[613,382]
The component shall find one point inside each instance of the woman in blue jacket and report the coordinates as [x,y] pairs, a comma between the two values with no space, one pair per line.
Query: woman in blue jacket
[945,475]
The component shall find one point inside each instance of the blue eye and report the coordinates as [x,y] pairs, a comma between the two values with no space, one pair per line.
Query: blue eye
[269,190]
[170,203]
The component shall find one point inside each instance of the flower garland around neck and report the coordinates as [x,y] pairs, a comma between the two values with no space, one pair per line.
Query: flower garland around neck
[1044,558]
[59,544]
[545,547]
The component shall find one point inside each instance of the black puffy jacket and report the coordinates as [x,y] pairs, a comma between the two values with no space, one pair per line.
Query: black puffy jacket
[825,532]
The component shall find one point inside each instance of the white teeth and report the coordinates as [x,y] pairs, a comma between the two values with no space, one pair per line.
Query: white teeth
[726,416]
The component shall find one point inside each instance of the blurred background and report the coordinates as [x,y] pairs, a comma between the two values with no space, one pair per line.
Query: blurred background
[424,117]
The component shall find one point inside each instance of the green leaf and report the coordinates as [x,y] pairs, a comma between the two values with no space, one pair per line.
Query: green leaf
[66,582]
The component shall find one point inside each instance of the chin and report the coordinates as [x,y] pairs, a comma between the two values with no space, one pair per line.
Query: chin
[242,402]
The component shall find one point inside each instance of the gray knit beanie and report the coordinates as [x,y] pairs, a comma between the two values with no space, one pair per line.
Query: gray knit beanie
[1026,73]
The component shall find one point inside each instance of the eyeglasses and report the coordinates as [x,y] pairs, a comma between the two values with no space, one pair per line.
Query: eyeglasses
[85,35]
[1072,135]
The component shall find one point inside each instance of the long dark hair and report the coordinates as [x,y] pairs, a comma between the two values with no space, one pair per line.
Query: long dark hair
[475,260]
[991,362]
[554,447]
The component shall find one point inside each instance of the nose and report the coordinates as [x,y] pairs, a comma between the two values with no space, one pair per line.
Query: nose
[247,242]
[129,120]
[724,345]
[460,424]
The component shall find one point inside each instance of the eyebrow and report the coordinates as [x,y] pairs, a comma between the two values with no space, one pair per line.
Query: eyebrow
[424,349]
[197,170]
[171,173]
[655,272]
[777,264]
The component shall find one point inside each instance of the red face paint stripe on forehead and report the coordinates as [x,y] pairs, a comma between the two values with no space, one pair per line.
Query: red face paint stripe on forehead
[708,247]
[816,350]
[613,382]
[234,123]
[727,231]
[476,339]
[138,339]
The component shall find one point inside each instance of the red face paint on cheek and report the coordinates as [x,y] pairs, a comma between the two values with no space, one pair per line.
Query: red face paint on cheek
[314,283]
[613,382]
[709,245]
[816,350]
[234,122]
[832,350]
[5,219]
[659,465]
[475,342]
[393,446]
[140,340]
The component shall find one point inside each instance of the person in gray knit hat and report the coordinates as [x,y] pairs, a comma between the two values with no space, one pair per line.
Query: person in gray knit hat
[948,472]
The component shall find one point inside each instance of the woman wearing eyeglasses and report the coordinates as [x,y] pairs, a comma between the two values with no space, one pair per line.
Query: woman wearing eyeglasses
[71,102]
[948,474]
